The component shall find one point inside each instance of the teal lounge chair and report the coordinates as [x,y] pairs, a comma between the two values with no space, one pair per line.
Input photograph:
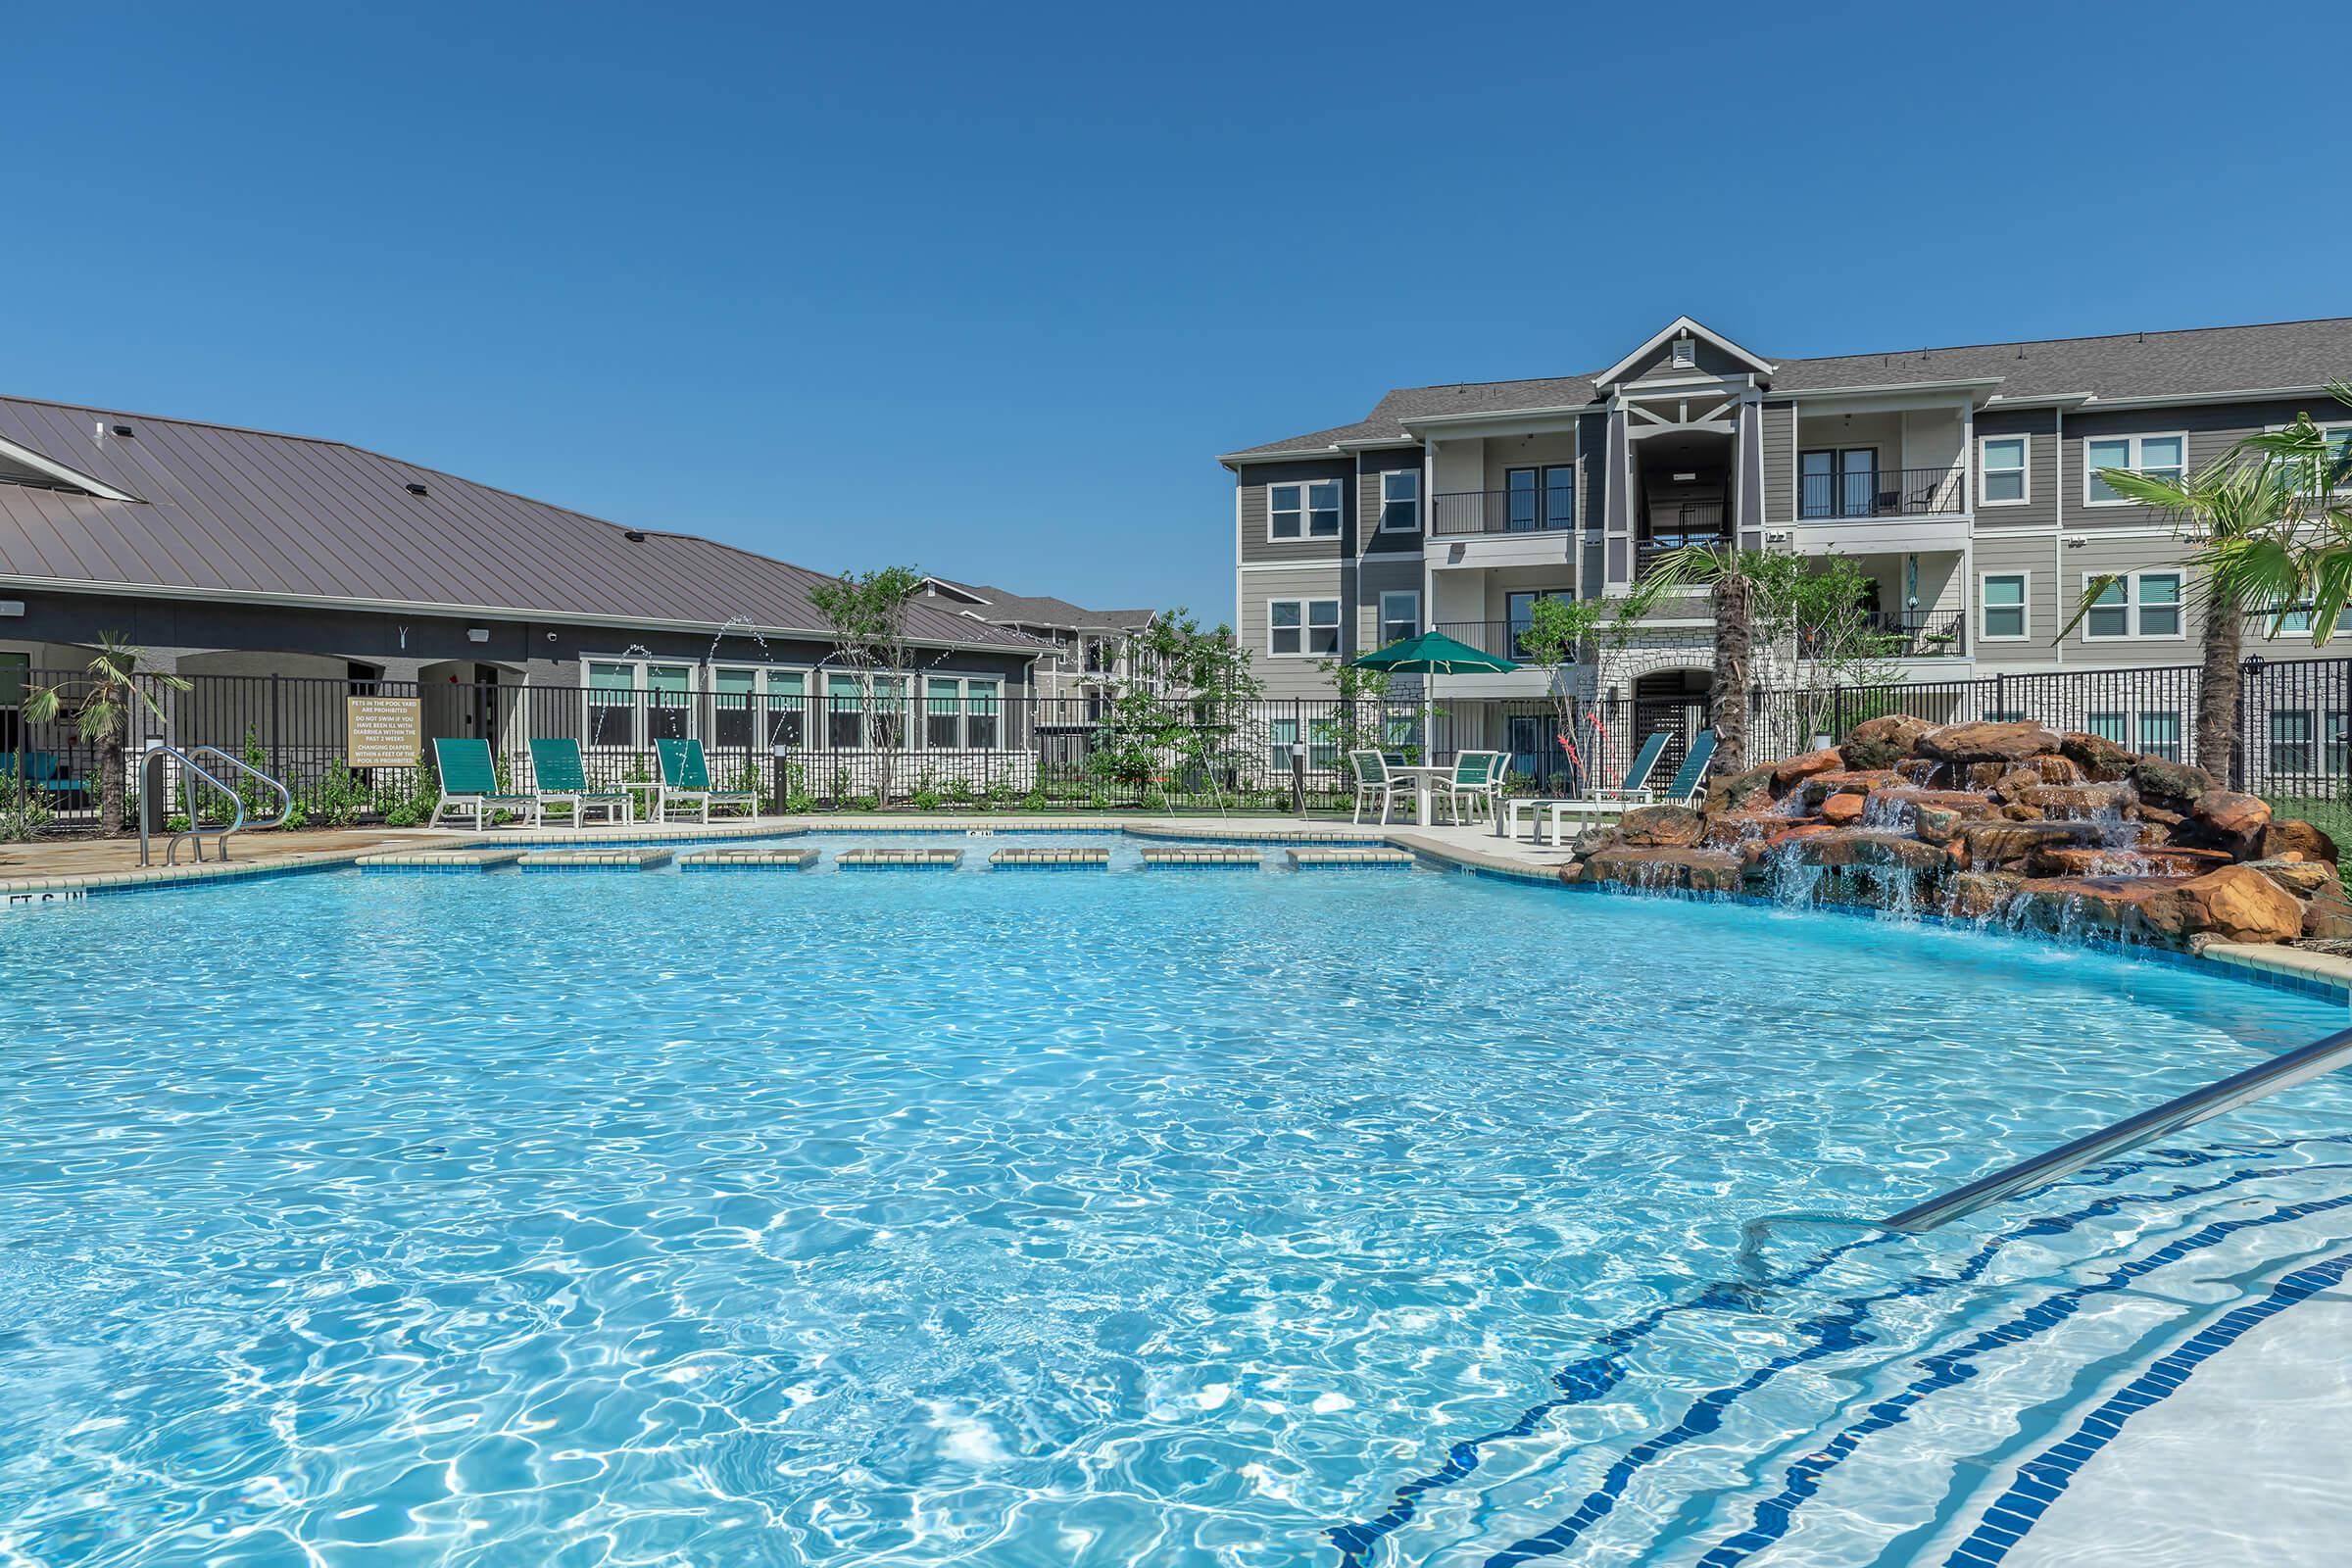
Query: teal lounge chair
[1603,801]
[469,783]
[686,778]
[557,778]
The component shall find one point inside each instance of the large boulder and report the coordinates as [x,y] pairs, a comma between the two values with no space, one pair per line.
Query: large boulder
[1977,895]
[1661,869]
[1671,827]
[2305,880]
[1991,845]
[2108,904]
[2291,835]
[1864,846]
[1796,770]
[1733,791]
[1843,810]
[1987,742]
[2328,917]
[2077,800]
[1884,742]
[2174,786]
[2236,904]
[2101,760]
[2227,816]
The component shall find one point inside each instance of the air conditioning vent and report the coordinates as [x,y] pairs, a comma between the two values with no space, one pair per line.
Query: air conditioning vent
[1685,353]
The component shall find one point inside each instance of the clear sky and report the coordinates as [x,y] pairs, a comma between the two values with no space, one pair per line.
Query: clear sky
[984,289]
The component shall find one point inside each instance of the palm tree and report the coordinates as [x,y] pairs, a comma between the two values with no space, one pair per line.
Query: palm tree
[102,705]
[1731,579]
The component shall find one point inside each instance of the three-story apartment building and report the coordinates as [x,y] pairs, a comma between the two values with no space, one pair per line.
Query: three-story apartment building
[1962,480]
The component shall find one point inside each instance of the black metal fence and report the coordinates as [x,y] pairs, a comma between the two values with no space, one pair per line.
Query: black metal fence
[810,753]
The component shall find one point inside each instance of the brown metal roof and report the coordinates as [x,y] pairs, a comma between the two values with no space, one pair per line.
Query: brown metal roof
[248,513]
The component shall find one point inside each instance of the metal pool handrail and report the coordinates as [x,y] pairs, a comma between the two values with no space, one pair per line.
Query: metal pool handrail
[2201,1104]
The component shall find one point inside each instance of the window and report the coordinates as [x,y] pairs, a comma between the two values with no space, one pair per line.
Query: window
[1400,501]
[754,706]
[2336,735]
[1839,483]
[14,668]
[2159,457]
[2004,608]
[1281,735]
[1559,496]
[632,703]
[960,714]
[1400,616]
[852,720]
[2116,727]
[787,708]
[2160,735]
[1301,626]
[2004,470]
[1401,733]
[1308,510]
[2138,603]
[1536,500]
[2290,741]
[731,695]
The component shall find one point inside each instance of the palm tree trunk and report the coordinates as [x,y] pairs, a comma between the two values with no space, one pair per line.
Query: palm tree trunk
[2217,690]
[1735,648]
[110,784]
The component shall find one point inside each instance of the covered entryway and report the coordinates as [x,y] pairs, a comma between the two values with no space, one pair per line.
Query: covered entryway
[1674,700]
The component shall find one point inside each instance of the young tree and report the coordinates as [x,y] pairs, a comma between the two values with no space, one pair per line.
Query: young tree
[101,702]
[1185,704]
[1823,605]
[867,614]
[1562,631]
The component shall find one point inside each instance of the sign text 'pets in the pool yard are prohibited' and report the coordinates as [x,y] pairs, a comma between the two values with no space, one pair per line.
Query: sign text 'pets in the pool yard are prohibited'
[383,731]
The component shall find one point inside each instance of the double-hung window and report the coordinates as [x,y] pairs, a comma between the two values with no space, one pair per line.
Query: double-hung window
[2004,609]
[1400,501]
[866,710]
[1303,511]
[2111,726]
[1400,616]
[2003,470]
[1281,735]
[2160,735]
[960,714]
[2290,740]
[2154,457]
[633,702]
[1301,627]
[2138,603]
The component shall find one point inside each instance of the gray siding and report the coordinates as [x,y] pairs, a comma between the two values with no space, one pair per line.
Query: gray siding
[1780,464]
[2211,432]
[1254,478]
[2040,427]
[1370,465]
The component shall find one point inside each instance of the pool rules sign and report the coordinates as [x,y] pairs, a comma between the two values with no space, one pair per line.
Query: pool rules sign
[382,731]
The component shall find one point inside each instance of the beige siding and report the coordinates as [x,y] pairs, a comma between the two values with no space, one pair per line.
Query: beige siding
[1290,675]
[1780,464]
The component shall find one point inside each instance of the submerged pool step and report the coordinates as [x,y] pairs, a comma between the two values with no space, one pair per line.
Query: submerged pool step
[871,858]
[1350,859]
[1062,859]
[748,861]
[481,859]
[1225,856]
[612,859]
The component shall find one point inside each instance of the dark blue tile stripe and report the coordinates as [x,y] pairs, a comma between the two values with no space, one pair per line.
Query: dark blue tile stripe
[2042,1479]
[1596,1375]
[1953,1368]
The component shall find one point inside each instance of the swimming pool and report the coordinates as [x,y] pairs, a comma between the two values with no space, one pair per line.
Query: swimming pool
[1226,1218]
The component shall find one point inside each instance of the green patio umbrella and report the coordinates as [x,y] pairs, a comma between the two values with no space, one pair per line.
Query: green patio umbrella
[1433,653]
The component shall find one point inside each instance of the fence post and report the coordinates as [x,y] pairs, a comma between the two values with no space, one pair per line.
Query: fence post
[276,709]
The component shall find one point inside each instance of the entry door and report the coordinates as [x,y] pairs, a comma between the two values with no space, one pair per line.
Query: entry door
[1522,501]
[1843,482]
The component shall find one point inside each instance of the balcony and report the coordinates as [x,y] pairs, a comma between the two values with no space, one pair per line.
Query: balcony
[1671,527]
[1881,493]
[1906,634]
[1497,637]
[1491,512]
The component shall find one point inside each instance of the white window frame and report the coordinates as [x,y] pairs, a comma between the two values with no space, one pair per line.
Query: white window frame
[763,695]
[2176,746]
[2024,469]
[1306,628]
[2025,606]
[963,697]
[1380,630]
[1412,502]
[641,694]
[2090,472]
[2135,604]
[1306,510]
[907,686]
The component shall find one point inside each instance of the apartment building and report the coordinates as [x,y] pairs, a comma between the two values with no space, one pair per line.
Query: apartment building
[1093,650]
[1962,480]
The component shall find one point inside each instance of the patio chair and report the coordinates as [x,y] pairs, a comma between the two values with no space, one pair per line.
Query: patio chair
[469,783]
[1635,791]
[43,772]
[559,778]
[686,778]
[1373,781]
[1477,777]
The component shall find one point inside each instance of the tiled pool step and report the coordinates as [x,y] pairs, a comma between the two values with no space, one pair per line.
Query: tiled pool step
[1346,860]
[1064,860]
[612,859]
[440,860]
[1157,857]
[748,861]
[871,858]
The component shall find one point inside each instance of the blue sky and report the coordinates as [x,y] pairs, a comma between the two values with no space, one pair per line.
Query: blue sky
[985,289]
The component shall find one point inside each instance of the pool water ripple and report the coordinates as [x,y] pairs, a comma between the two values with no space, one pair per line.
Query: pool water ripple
[1131,1218]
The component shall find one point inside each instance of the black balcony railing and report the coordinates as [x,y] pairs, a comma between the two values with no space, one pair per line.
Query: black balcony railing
[1503,638]
[1881,493]
[1547,511]
[1902,634]
[1670,527]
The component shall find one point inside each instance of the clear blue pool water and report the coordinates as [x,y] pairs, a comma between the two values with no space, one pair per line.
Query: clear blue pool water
[1133,1218]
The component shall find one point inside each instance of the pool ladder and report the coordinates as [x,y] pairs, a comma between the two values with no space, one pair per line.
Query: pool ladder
[2258,1082]
[191,772]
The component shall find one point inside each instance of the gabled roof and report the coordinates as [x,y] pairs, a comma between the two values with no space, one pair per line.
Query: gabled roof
[1682,326]
[234,513]
[2208,362]
[996,605]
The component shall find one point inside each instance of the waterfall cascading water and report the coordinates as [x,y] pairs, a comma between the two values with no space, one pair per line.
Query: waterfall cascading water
[1795,881]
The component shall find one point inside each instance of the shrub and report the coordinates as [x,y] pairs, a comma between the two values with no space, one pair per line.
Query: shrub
[23,815]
